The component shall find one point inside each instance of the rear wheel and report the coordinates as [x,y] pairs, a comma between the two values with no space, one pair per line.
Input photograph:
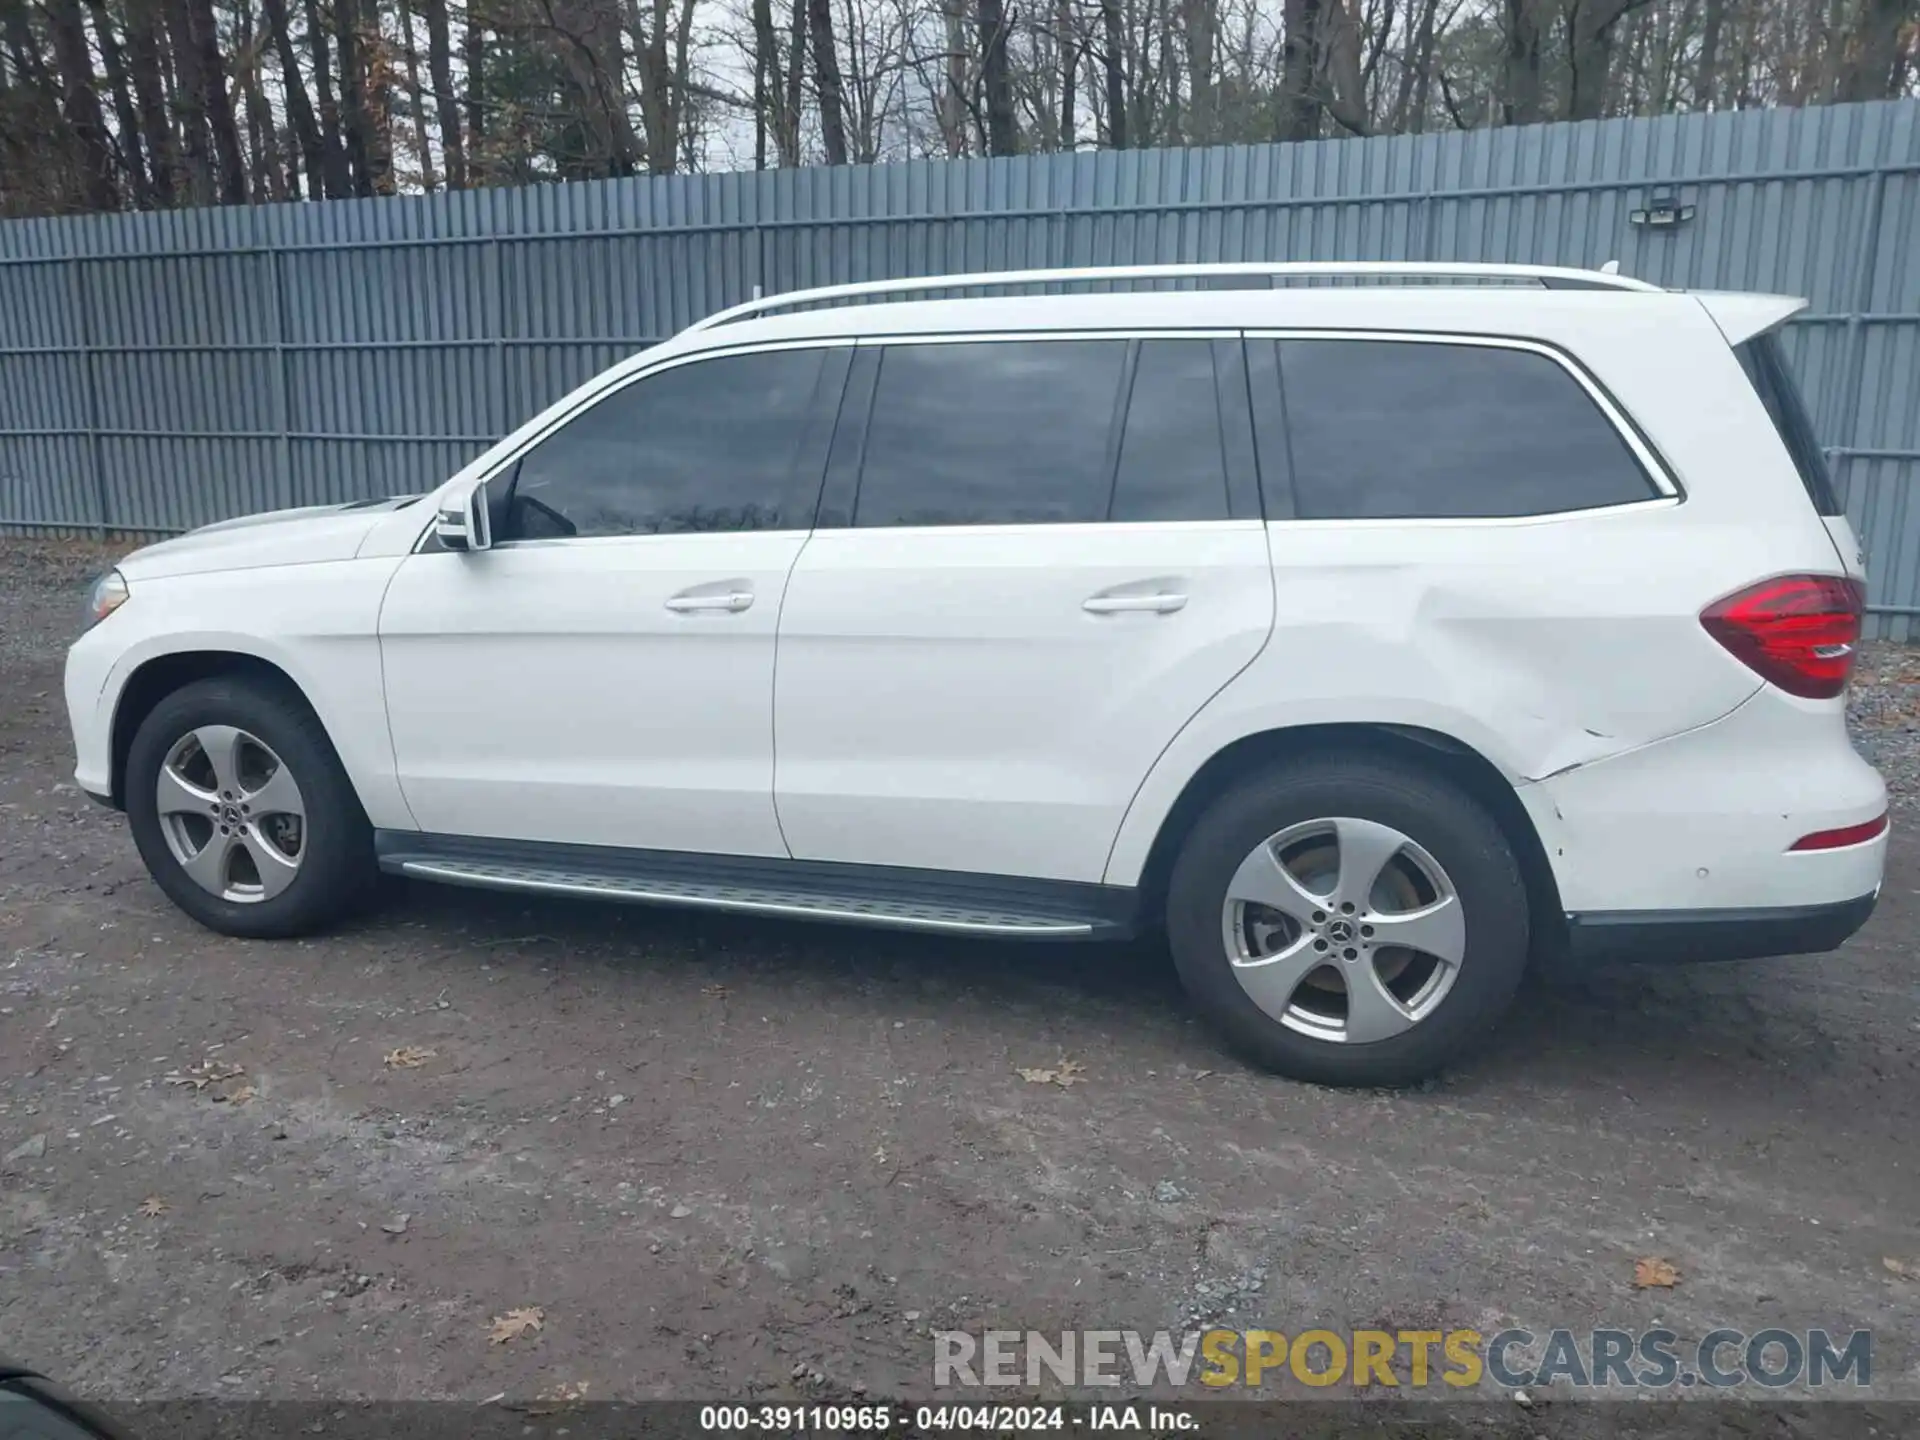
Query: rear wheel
[242,812]
[1348,920]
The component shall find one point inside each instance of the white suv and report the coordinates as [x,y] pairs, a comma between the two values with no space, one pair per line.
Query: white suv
[1373,638]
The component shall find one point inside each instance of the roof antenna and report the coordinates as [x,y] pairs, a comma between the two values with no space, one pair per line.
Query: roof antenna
[1612,267]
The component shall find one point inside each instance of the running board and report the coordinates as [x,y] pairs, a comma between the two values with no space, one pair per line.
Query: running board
[793,889]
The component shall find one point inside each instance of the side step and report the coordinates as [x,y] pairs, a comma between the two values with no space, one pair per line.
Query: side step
[795,889]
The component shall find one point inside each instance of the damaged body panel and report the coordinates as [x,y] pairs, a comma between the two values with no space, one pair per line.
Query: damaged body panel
[1672,825]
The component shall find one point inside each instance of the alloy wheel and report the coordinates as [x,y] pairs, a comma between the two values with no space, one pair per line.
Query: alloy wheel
[232,814]
[1344,930]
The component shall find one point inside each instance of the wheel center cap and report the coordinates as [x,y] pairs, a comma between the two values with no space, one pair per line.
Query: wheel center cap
[230,815]
[1340,931]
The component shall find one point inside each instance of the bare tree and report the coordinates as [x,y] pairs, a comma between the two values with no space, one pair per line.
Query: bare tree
[828,91]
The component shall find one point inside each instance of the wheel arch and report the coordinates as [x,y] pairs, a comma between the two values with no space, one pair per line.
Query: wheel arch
[1426,749]
[162,675]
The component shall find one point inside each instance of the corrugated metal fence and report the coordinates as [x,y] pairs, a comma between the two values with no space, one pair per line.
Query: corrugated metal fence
[160,371]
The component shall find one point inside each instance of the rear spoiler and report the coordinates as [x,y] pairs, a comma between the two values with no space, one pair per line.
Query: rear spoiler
[1741,316]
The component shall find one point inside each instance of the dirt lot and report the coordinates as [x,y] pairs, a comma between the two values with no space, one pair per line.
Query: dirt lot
[729,1157]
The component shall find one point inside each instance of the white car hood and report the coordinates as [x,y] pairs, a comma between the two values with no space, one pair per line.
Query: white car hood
[280,537]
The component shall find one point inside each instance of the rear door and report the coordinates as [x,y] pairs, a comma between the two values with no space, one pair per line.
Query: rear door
[1036,559]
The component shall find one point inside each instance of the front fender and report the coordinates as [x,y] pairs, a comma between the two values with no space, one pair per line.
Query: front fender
[317,624]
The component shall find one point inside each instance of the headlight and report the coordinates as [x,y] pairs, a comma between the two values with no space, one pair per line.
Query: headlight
[108,594]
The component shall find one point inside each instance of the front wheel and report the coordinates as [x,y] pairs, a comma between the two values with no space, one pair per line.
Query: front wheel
[242,812]
[1349,920]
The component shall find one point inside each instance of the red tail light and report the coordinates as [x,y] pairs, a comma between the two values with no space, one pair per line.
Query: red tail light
[1798,631]
[1843,837]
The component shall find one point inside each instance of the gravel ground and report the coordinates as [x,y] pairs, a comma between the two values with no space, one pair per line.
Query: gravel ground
[727,1157]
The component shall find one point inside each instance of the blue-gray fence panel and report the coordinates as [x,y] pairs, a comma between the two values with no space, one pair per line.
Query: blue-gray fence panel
[160,371]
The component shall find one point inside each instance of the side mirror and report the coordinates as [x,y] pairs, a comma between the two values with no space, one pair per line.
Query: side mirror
[463,524]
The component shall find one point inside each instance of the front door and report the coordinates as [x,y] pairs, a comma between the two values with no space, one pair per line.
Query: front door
[604,674]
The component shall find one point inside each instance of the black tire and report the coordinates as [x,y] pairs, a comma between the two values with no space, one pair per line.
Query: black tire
[336,875]
[1449,824]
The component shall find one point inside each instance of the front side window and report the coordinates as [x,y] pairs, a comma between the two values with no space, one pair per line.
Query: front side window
[709,445]
[1419,430]
[1009,432]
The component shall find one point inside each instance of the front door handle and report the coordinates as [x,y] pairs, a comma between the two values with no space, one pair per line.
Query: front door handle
[1162,604]
[731,601]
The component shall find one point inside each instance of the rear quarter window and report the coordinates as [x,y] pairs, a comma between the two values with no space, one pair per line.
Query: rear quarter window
[1772,381]
[1400,429]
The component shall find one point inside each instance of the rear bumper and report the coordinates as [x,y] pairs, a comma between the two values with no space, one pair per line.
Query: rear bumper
[1679,936]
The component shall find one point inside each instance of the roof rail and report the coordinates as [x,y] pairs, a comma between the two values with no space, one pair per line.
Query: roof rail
[1550,276]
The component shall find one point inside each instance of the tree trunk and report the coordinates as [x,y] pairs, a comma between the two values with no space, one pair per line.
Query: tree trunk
[354,119]
[1003,135]
[1590,55]
[1706,85]
[269,175]
[131,158]
[1410,103]
[80,103]
[769,90]
[1070,51]
[416,99]
[314,158]
[1300,70]
[1520,68]
[953,104]
[1114,62]
[440,71]
[338,172]
[662,88]
[190,104]
[826,81]
[376,96]
[1873,50]
[473,60]
[150,96]
[204,35]
[1346,89]
[1201,21]
[796,76]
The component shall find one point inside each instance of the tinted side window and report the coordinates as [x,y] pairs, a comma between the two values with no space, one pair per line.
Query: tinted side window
[1005,432]
[1173,463]
[1382,428]
[1767,369]
[709,445]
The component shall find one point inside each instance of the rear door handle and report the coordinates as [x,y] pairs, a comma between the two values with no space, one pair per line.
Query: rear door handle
[731,601]
[1162,604]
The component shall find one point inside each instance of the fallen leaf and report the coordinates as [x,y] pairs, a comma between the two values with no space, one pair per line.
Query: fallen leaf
[1650,1273]
[237,1097]
[566,1392]
[1063,1073]
[409,1057]
[515,1323]
[153,1205]
[203,1073]
[1905,1269]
